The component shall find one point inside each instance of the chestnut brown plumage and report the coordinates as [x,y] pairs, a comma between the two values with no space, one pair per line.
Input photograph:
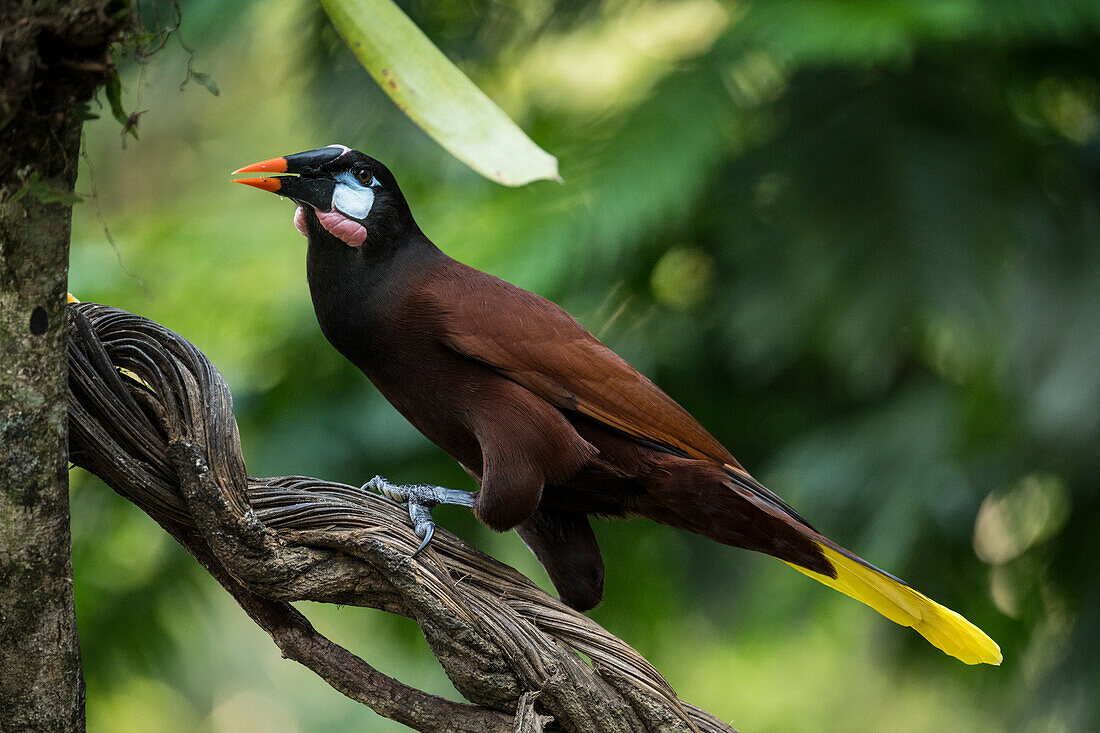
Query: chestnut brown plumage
[552,424]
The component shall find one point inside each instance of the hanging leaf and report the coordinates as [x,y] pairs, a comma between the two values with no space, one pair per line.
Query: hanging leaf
[113,87]
[436,95]
[206,82]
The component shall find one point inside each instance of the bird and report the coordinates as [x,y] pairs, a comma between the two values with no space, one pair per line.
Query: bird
[553,425]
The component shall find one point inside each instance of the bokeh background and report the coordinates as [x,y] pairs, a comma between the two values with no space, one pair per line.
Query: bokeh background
[858,240]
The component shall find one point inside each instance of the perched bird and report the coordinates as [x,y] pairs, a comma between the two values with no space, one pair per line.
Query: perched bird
[552,424]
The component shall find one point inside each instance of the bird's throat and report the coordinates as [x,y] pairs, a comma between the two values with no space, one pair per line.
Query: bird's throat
[348,231]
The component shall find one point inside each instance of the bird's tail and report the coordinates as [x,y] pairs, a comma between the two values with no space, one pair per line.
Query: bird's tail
[895,600]
[857,578]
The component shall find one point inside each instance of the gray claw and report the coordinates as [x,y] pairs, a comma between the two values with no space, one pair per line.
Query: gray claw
[423,526]
[429,532]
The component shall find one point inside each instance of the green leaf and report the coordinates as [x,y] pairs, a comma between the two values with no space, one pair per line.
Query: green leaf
[58,196]
[44,192]
[436,95]
[206,82]
[24,189]
[114,96]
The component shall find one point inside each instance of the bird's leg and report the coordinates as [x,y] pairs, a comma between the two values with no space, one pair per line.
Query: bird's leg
[420,498]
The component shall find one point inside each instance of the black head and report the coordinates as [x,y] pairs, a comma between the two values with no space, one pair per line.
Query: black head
[352,196]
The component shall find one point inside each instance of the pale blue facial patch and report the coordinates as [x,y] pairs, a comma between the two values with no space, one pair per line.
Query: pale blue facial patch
[351,198]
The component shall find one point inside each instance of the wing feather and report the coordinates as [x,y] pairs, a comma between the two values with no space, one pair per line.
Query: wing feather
[537,344]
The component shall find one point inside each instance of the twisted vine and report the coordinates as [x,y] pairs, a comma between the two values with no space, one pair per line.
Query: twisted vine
[154,419]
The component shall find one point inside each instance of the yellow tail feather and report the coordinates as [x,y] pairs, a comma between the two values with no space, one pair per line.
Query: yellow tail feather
[901,604]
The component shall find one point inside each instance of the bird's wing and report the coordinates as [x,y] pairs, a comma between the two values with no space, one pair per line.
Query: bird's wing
[535,343]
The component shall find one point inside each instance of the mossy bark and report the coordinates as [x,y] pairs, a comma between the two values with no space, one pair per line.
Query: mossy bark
[53,55]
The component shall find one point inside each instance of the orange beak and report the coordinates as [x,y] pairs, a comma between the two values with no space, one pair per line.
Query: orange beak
[309,182]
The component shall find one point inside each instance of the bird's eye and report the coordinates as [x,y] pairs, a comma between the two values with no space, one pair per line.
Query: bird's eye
[364,176]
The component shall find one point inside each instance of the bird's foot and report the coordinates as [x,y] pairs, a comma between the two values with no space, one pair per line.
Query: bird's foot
[420,498]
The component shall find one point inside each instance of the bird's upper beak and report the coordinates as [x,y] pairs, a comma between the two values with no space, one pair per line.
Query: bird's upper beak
[311,185]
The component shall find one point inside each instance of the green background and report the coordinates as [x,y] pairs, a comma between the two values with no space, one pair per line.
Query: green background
[858,240]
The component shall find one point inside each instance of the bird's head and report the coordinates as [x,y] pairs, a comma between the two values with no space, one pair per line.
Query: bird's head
[351,195]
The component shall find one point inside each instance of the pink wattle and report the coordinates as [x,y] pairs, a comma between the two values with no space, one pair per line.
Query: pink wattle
[350,232]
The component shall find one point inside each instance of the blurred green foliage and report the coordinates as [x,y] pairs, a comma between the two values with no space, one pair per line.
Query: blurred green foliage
[858,240]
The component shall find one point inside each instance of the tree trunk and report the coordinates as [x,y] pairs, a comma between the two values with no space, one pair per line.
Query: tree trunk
[53,55]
